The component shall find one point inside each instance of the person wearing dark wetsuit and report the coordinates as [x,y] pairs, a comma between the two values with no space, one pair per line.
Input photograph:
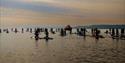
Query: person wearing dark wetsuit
[46,33]
[122,33]
[97,32]
[22,30]
[0,30]
[117,33]
[37,34]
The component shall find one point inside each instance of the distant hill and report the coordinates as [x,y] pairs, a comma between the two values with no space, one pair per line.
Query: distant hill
[102,26]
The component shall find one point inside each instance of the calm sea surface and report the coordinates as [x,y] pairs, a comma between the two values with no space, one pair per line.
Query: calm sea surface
[21,48]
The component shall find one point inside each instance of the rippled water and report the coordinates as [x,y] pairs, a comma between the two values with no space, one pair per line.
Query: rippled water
[20,48]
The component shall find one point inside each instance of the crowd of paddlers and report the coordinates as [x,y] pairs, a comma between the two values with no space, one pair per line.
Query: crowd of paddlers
[115,33]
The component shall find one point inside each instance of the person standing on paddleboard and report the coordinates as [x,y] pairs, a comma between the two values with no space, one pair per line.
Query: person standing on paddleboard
[37,34]
[46,33]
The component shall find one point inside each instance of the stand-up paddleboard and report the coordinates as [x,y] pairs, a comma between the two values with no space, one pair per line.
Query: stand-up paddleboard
[117,37]
[46,38]
[122,38]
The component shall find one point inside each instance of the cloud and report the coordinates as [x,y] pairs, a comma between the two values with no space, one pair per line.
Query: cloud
[62,11]
[66,6]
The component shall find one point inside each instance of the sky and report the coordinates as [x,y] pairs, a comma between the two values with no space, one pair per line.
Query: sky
[80,12]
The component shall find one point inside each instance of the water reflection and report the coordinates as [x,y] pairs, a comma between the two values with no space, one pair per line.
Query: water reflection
[116,49]
[116,44]
[41,40]
[36,44]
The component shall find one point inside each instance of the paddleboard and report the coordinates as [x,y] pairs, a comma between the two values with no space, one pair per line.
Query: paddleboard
[47,38]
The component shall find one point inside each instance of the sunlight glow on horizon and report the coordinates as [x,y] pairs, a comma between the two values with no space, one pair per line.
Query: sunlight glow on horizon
[62,11]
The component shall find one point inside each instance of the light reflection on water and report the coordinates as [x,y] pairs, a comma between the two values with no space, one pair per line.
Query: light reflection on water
[20,48]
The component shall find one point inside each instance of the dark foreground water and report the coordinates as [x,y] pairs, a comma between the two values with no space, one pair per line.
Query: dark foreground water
[20,48]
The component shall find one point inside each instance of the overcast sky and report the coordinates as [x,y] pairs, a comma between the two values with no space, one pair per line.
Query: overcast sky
[16,12]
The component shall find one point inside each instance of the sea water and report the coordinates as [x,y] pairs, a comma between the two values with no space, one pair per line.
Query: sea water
[21,48]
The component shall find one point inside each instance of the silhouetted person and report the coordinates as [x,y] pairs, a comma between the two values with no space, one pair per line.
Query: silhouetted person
[27,30]
[122,33]
[62,32]
[110,30]
[58,29]
[30,30]
[92,31]
[97,32]
[117,33]
[15,30]
[81,32]
[84,32]
[65,32]
[113,32]
[7,31]
[77,30]
[46,33]
[41,30]
[37,34]
[0,31]
[68,28]
[52,31]
[106,32]
[22,30]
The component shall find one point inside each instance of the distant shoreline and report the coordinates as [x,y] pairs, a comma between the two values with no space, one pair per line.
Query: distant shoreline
[99,26]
